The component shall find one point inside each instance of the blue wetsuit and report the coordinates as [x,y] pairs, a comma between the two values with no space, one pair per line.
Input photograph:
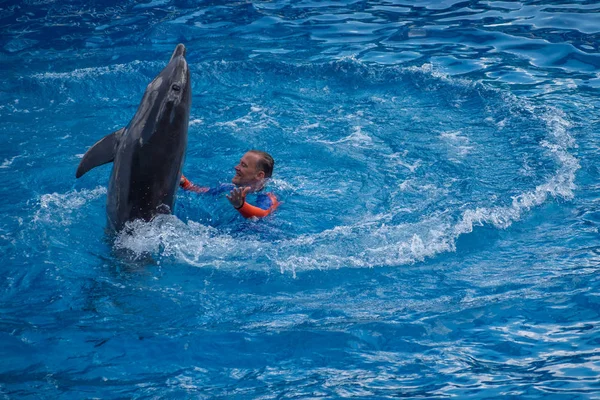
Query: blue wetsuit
[265,203]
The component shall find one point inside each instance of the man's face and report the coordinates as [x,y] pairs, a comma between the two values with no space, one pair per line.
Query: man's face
[246,172]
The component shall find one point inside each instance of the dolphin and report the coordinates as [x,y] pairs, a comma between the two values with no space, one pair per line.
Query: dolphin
[148,153]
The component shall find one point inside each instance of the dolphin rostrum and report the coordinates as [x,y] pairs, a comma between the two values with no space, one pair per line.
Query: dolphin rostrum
[148,153]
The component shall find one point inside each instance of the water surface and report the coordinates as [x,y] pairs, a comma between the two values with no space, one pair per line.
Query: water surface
[436,164]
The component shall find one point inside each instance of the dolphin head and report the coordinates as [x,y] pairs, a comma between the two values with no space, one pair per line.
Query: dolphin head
[176,84]
[176,76]
[167,100]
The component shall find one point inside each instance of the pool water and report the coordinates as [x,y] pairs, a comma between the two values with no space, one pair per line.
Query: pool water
[439,226]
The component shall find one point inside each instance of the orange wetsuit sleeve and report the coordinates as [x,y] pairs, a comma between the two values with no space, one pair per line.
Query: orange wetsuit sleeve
[185,184]
[249,211]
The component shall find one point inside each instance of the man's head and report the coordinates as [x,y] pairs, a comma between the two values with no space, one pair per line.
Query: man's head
[254,167]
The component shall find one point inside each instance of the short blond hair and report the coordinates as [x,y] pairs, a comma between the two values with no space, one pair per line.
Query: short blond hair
[265,163]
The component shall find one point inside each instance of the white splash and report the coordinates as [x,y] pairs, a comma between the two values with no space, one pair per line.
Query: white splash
[8,162]
[58,208]
[85,73]
[257,118]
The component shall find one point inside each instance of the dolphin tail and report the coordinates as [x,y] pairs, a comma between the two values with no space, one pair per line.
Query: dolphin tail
[100,153]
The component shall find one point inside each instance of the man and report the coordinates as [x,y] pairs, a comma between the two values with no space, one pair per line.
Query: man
[251,176]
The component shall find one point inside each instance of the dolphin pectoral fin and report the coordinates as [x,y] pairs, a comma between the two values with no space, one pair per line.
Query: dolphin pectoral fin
[100,153]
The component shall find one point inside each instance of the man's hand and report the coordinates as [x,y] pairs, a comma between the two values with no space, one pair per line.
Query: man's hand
[237,197]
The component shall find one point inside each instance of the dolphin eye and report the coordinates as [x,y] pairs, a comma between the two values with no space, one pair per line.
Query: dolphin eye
[176,87]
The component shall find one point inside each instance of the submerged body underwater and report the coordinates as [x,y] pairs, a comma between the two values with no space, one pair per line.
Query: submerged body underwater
[436,165]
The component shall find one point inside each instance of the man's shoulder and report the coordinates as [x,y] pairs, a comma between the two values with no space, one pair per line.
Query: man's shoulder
[266,200]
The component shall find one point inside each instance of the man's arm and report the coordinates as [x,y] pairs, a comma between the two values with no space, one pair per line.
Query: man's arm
[185,184]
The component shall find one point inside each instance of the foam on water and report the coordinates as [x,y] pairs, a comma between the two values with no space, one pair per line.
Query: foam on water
[93,72]
[63,208]
[8,162]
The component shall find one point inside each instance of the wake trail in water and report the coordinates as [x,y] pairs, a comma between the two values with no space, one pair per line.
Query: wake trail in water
[412,138]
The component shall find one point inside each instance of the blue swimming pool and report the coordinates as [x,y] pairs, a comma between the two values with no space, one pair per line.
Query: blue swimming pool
[439,228]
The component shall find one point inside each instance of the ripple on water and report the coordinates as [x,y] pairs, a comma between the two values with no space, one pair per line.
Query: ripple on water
[428,169]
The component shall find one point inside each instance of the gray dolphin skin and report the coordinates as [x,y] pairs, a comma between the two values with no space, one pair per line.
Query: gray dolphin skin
[148,153]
